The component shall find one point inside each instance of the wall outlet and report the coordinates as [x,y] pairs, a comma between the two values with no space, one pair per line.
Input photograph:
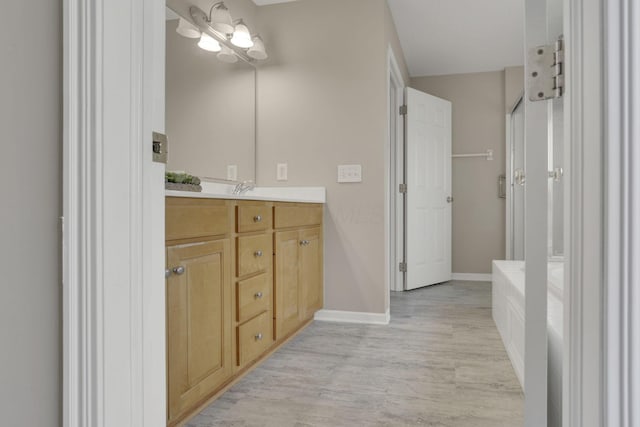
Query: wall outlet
[281,172]
[232,172]
[349,173]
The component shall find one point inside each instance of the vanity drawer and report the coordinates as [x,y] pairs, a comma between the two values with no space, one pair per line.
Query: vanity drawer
[254,254]
[253,217]
[296,215]
[190,218]
[253,297]
[254,337]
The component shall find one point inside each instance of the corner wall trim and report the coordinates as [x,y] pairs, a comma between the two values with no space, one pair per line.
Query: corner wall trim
[471,277]
[353,317]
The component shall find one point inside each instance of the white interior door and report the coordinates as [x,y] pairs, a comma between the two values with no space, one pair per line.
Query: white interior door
[428,199]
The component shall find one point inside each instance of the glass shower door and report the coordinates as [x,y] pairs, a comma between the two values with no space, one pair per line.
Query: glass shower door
[517,182]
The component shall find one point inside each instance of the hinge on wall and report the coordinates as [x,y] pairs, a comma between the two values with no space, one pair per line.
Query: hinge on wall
[403,267]
[402,188]
[159,147]
[545,71]
[403,110]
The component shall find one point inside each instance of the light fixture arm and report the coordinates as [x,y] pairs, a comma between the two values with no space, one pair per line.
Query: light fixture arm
[219,4]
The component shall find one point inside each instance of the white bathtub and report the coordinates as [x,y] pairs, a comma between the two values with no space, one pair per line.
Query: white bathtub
[508,313]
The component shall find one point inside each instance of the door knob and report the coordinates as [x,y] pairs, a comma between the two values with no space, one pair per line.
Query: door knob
[449,199]
[178,270]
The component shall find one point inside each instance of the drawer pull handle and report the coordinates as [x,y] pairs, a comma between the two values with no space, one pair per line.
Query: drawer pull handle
[178,270]
[257,218]
[258,254]
[259,336]
[258,295]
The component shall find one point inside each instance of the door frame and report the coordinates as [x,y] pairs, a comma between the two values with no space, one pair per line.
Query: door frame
[394,175]
[602,332]
[113,302]
[622,226]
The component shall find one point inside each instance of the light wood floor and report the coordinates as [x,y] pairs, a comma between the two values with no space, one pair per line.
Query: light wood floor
[439,363]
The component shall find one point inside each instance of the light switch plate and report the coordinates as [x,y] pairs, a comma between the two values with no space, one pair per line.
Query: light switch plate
[349,173]
[281,172]
[232,172]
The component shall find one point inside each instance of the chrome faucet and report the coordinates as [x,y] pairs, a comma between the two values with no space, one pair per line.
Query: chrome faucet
[243,187]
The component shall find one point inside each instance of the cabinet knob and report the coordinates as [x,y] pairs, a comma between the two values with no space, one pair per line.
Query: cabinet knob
[258,254]
[449,199]
[304,242]
[179,270]
[257,218]
[259,336]
[258,295]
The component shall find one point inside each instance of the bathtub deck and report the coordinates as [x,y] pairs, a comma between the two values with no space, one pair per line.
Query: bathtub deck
[508,295]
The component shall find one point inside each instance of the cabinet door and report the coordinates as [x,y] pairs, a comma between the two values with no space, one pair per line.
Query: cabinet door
[198,322]
[311,283]
[287,296]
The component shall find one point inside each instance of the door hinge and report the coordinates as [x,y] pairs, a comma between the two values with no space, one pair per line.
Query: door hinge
[403,267]
[160,147]
[403,110]
[402,188]
[545,71]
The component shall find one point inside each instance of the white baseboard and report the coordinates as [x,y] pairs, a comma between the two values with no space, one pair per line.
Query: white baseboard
[471,277]
[353,317]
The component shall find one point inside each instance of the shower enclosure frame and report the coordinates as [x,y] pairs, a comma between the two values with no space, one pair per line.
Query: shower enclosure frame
[509,174]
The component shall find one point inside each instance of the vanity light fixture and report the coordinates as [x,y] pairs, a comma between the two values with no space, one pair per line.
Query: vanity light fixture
[241,36]
[232,37]
[209,43]
[187,29]
[257,51]
[227,55]
[220,18]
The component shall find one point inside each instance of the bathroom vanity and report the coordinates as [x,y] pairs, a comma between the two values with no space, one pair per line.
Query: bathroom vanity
[243,276]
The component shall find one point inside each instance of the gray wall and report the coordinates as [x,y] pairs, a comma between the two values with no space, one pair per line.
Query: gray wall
[322,101]
[30,305]
[478,124]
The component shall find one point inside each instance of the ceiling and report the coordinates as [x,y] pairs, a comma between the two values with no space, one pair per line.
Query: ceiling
[456,36]
[266,2]
[459,36]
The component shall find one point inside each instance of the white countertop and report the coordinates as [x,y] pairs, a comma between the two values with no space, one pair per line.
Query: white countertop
[211,190]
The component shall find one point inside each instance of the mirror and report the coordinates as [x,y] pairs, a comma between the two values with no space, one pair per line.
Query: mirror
[210,111]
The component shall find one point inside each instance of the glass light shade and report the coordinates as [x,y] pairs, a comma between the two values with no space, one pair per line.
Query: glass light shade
[209,43]
[227,55]
[241,36]
[221,19]
[187,29]
[257,51]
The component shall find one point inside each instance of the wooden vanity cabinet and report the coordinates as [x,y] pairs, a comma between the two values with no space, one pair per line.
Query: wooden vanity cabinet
[199,301]
[242,277]
[254,283]
[298,283]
